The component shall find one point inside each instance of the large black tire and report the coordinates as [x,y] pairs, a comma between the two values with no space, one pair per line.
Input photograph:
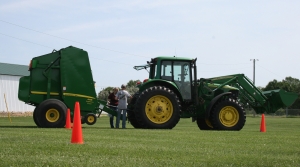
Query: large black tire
[204,124]
[51,113]
[130,111]
[228,114]
[35,118]
[157,107]
[90,119]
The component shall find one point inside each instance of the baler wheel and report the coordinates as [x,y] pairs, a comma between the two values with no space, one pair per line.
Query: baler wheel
[158,107]
[228,115]
[90,119]
[51,113]
[35,118]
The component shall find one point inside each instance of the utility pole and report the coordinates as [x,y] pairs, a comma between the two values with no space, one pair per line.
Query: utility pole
[254,113]
[253,69]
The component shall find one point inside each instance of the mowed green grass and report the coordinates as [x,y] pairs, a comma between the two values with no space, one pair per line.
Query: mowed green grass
[23,144]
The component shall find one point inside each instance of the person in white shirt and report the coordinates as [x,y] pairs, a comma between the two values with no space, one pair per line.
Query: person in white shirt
[122,96]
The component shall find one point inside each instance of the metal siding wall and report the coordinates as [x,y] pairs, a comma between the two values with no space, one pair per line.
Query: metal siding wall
[10,85]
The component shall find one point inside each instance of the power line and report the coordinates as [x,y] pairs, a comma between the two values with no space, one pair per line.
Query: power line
[130,54]
[87,44]
[270,71]
[112,61]
[226,69]
[25,40]
[71,40]
[225,64]
[52,48]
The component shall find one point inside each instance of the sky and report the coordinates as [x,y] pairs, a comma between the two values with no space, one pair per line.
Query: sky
[224,35]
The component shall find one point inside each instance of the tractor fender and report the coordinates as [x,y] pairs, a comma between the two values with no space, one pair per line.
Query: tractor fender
[212,103]
[159,82]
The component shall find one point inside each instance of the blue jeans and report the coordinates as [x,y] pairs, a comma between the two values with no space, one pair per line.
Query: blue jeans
[111,120]
[111,117]
[123,118]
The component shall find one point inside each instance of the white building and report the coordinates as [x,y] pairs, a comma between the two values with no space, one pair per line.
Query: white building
[9,85]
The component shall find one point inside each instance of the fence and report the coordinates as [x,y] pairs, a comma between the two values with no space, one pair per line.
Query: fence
[280,112]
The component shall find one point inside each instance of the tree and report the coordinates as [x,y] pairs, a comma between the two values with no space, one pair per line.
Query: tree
[132,83]
[288,84]
[291,84]
[130,87]
[103,94]
[272,85]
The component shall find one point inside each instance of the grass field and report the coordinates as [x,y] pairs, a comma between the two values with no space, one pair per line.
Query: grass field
[23,144]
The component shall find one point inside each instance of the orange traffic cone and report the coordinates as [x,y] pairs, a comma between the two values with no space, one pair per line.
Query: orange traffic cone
[68,120]
[263,124]
[77,131]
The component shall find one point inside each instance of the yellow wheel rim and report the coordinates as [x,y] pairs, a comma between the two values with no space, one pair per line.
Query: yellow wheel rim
[52,115]
[229,116]
[90,119]
[159,109]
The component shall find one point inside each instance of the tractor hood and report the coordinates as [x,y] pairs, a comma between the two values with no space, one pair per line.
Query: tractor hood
[214,85]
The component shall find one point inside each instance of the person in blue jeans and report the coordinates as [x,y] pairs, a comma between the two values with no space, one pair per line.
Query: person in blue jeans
[122,96]
[112,103]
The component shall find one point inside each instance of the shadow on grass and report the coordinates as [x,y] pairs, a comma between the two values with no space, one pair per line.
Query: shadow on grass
[19,126]
[108,128]
[33,127]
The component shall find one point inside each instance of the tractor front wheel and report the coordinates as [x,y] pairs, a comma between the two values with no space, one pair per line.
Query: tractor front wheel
[157,107]
[228,115]
[51,113]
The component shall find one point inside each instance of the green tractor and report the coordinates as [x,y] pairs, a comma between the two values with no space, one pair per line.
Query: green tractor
[173,91]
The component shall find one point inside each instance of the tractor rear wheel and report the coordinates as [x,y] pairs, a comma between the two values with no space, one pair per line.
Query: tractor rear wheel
[130,112]
[157,107]
[132,119]
[51,113]
[228,115]
[90,119]
[204,124]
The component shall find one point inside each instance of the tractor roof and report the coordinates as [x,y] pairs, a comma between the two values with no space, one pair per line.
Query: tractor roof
[172,58]
[160,58]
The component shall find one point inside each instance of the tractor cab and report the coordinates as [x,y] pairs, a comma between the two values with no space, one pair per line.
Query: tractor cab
[175,70]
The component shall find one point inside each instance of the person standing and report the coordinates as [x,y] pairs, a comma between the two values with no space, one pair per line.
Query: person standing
[113,104]
[122,96]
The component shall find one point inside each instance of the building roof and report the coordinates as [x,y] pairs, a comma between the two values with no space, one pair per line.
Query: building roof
[14,69]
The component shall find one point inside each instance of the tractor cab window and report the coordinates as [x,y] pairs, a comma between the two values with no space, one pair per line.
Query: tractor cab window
[182,78]
[166,70]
